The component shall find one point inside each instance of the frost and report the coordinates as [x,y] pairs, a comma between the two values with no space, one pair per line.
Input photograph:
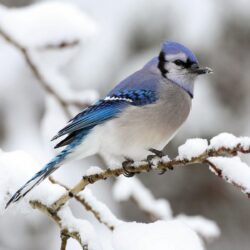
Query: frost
[192,148]
[52,23]
[233,170]
[207,229]
[83,227]
[160,235]
[125,189]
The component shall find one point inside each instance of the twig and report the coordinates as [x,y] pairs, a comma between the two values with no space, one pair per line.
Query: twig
[55,217]
[61,45]
[86,205]
[218,172]
[64,240]
[38,74]
[146,167]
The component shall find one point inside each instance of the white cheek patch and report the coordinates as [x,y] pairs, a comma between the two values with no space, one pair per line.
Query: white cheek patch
[178,56]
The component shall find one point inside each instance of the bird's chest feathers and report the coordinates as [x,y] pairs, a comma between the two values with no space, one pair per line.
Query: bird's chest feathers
[140,128]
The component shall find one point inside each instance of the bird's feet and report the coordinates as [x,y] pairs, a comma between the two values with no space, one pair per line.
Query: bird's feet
[156,154]
[127,163]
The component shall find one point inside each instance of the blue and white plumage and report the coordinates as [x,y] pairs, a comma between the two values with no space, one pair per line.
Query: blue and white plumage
[143,111]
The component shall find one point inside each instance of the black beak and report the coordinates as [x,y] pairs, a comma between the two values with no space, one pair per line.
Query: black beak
[196,69]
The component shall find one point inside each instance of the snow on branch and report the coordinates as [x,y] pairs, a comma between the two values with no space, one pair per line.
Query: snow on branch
[205,228]
[160,235]
[125,189]
[15,167]
[51,198]
[101,212]
[15,28]
[233,170]
[131,188]
[186,157]
[71,227]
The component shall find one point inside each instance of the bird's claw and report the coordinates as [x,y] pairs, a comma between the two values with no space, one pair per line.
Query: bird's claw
[156,152]
[164,170]
[125,165]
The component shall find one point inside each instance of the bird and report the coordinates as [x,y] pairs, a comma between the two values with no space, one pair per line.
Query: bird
[140,114]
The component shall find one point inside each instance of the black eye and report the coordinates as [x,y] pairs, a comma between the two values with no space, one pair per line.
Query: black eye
[179,62]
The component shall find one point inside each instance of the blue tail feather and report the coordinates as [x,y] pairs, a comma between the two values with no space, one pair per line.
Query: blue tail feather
[48,169]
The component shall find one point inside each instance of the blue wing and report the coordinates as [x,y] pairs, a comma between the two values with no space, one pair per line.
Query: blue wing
[136,90]
[103,110]
[90,117]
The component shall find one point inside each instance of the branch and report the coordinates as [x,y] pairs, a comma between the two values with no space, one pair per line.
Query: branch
[97,208]
[61,45]
[65,232]
[64,240]
[161,164]
[39,75]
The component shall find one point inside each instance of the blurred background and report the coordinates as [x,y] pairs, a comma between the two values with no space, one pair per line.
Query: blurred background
[128,33]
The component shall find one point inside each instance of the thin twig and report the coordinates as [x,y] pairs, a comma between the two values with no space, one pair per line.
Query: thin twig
[38,74]
[218,172]
[86,205]
[64,240]
[55,217]
[61,45]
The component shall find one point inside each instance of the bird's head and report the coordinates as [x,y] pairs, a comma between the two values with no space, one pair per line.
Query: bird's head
[178,63]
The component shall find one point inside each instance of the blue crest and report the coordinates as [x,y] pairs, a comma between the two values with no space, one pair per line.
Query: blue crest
[175,48]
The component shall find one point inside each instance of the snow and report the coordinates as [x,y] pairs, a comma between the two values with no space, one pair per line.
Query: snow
[204,227]
[50,125]
[93,170]
[155,161]
[59,83]
[245,142]
[127,188]
[53,22]
[46,192]
[83,227]
[16,168]
[165,159]
[192,148]
[233,170]
[160,235]
[227,140]
[103,211]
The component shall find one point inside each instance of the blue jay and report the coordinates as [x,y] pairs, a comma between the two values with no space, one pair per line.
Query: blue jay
[143,111]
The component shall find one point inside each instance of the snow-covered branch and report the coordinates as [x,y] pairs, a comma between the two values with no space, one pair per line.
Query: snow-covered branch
[101,212]
[59,219]
[194,151]
[160,209]
[15,24]
[51,198]
[132,188]
[38,73]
